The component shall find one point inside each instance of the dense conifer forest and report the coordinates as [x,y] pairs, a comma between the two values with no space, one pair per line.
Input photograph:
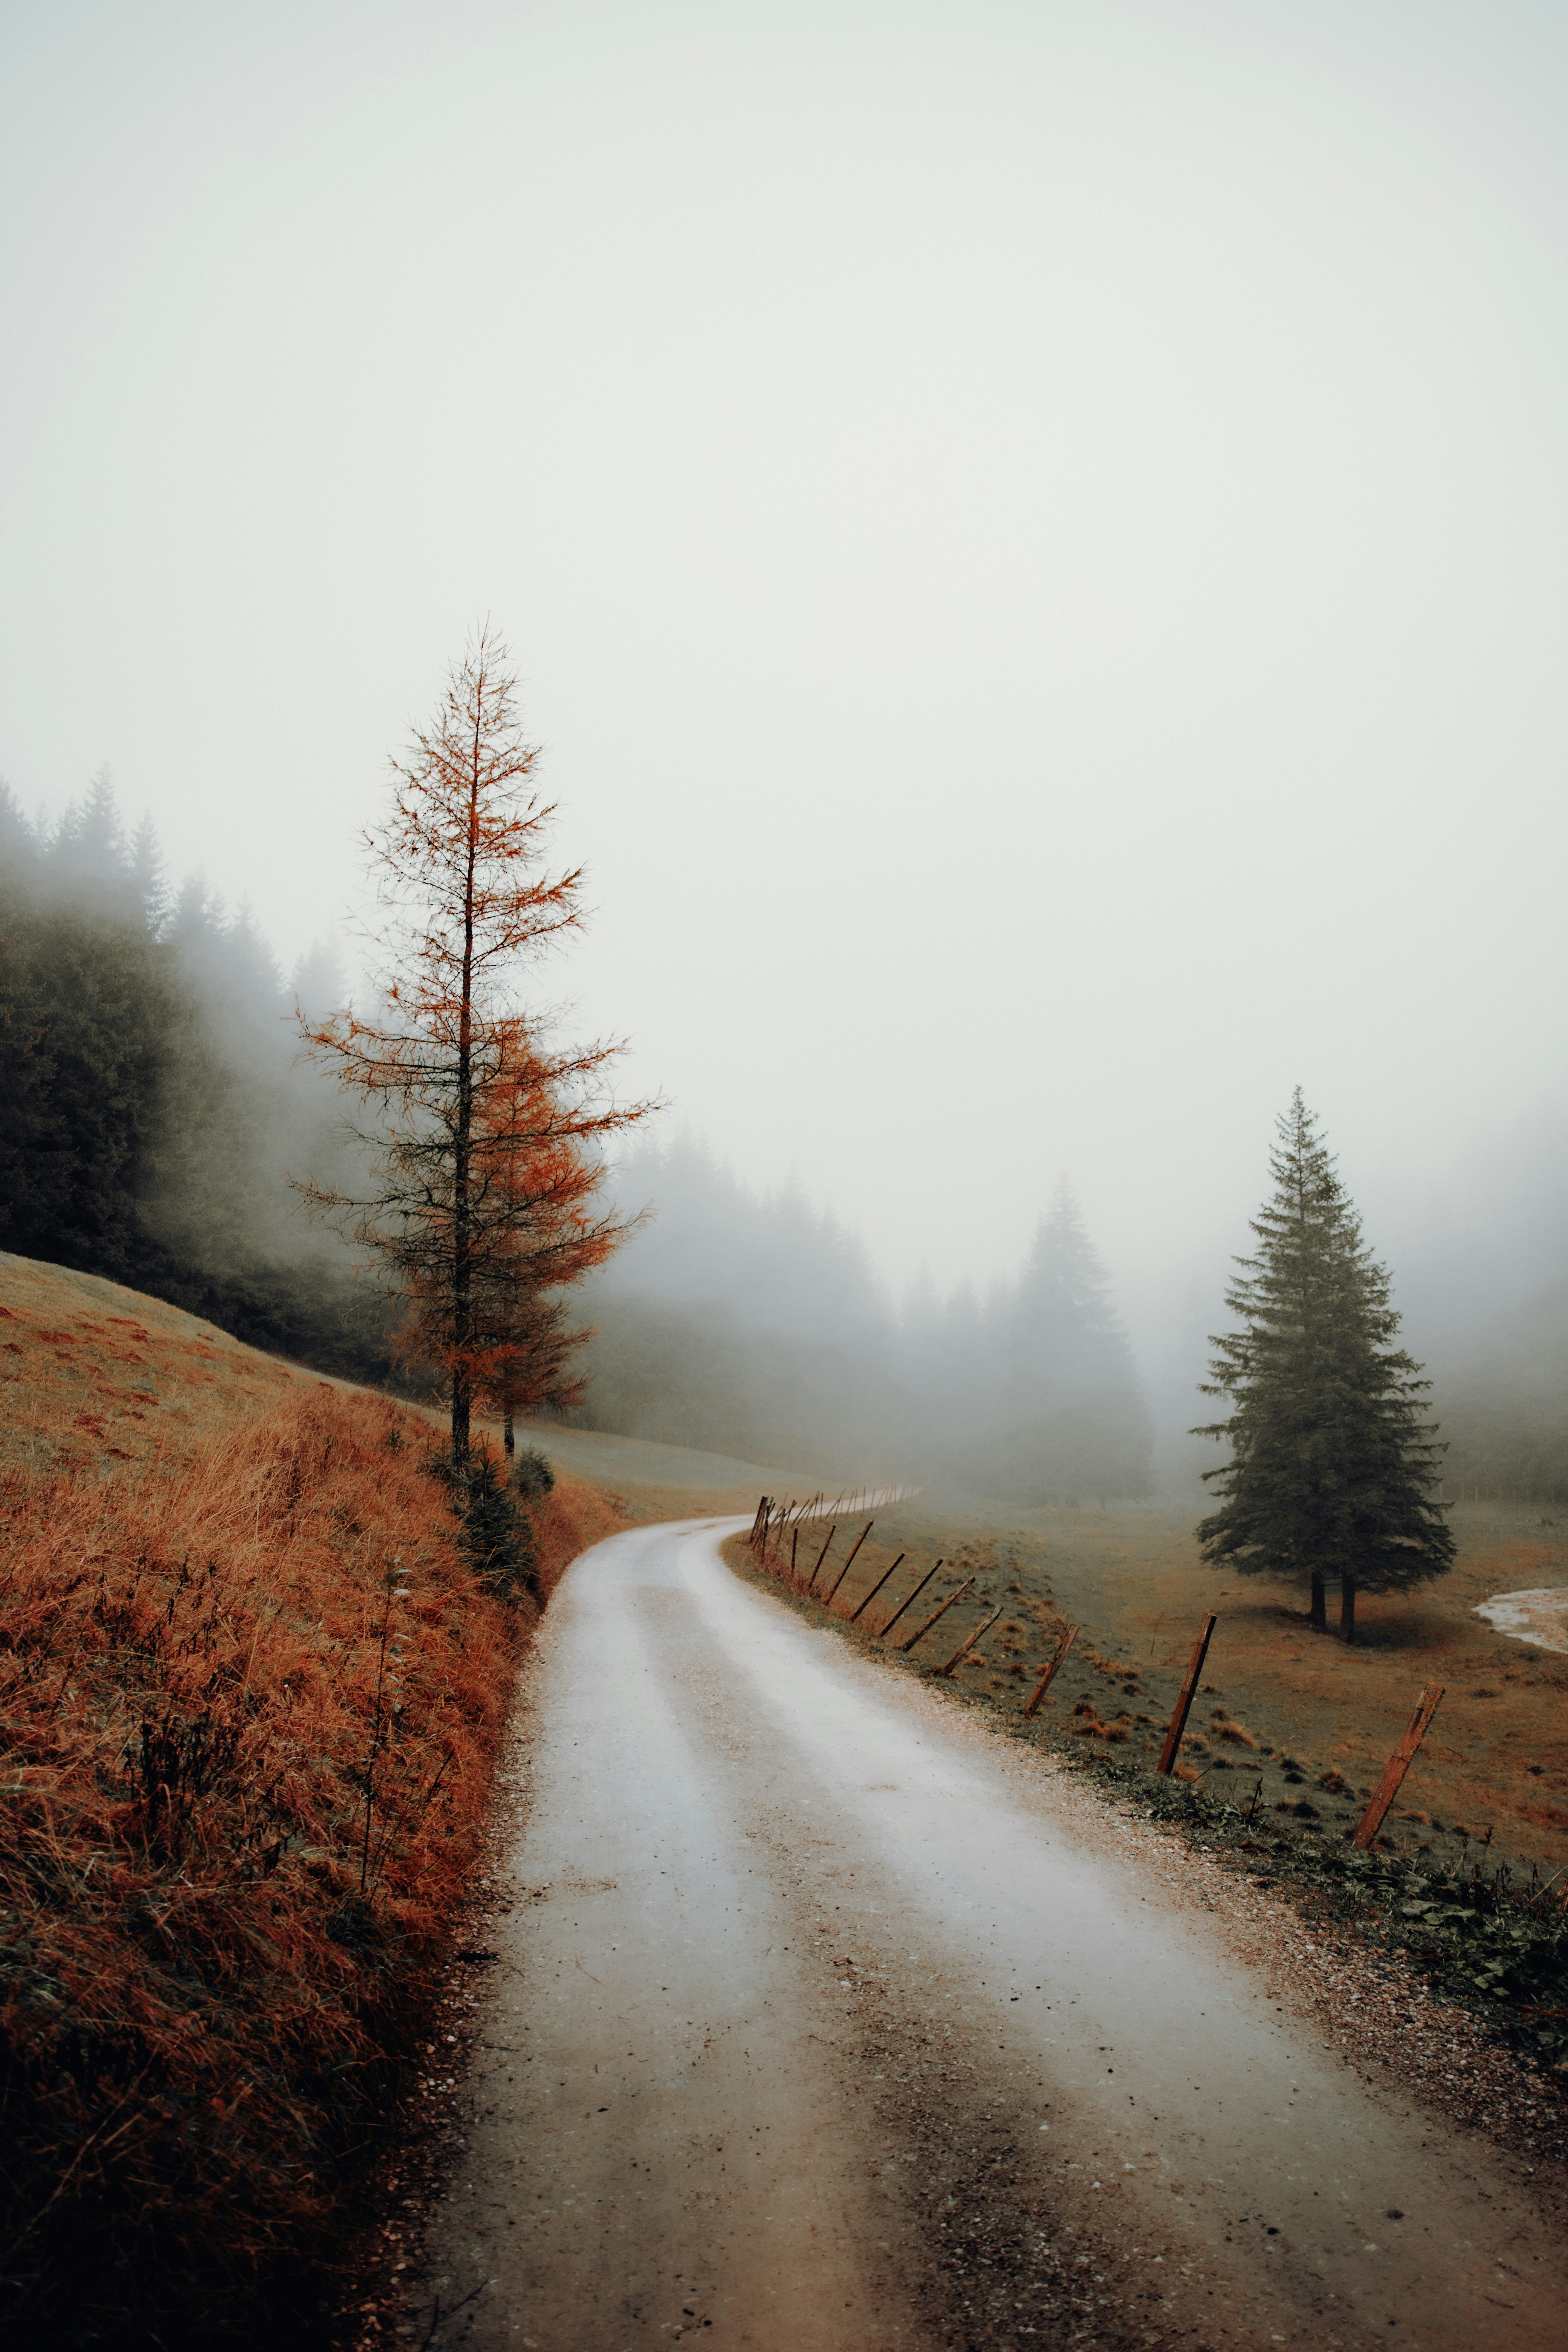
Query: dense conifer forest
[155,1103]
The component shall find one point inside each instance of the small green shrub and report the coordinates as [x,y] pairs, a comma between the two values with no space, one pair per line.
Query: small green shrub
[533,1477]
[497,1538]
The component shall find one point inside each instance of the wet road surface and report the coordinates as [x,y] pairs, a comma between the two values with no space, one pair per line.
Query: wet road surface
[823,2017]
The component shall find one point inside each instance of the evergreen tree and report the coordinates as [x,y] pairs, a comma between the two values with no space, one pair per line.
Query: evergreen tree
[495,1536]
[317,983]
[1066,1338]
[86,855]
[18,844]
[87,1014]
[1332,1470]
[1066,1415]
[149,876]
[532,1475]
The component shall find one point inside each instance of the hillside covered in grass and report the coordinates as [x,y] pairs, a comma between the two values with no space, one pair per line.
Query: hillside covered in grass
[252,1681]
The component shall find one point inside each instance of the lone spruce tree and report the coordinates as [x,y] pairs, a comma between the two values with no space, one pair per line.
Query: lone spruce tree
[1332,1470]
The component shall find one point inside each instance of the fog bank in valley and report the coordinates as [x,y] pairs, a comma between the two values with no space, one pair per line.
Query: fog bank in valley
[759,1326]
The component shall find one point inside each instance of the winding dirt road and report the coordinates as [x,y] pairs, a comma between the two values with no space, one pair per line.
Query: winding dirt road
[822,2019]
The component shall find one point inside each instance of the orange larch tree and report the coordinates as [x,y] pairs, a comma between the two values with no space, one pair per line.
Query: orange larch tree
[486,1138]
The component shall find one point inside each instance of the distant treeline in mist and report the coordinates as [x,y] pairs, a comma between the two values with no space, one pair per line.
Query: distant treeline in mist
[758,1328]
[153,1102]
[1500,1397]
[154,1106]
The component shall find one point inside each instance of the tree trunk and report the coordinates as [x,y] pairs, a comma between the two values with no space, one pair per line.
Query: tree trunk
[1320,1616]
[461,1403]
[1347,1609]
[509,1436]
[462,1141]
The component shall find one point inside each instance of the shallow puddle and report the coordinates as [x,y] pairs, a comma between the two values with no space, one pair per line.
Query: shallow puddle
[1540,1617]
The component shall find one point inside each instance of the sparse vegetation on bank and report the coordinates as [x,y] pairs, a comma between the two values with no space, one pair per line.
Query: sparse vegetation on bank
[1485,1936]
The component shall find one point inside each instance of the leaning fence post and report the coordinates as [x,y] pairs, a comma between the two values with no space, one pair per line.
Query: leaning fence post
[1183,1705]
[1043,1686]
[939,1612]
[904,1603]
[849,1562]
[821,1556]
[1399,1764]
[968,1644]
[875,1590]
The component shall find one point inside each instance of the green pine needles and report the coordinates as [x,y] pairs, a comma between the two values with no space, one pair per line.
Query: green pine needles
[1332,1471]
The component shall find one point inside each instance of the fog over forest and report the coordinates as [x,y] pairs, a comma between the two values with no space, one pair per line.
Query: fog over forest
[160,1105]
[761,1326]
[156,1102]
[769,1320]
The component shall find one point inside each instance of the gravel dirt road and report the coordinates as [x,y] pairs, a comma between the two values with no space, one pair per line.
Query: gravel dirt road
[822,2018]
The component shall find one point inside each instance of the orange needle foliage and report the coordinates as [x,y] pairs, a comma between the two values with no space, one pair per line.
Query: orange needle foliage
[488,1141]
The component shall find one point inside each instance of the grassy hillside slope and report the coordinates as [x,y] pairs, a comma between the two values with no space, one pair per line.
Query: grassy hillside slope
[251,1699]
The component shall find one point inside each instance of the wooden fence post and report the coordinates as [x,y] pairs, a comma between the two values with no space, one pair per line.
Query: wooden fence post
[848,1563]
[1043,1686]
[904,1603]
[1179,1720]
[968,1644]
[942,1611]
[821,1556]
[1399,1764]
[875,1590]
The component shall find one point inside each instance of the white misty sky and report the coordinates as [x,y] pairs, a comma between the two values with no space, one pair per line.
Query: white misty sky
[1034,536]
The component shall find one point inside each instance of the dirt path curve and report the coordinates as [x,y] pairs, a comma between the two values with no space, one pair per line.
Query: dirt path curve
[822,2019]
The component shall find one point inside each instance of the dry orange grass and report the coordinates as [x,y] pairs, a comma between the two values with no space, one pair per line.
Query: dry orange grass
[1497,1755]
[249,1715]
[251,1699]
[93,1376]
